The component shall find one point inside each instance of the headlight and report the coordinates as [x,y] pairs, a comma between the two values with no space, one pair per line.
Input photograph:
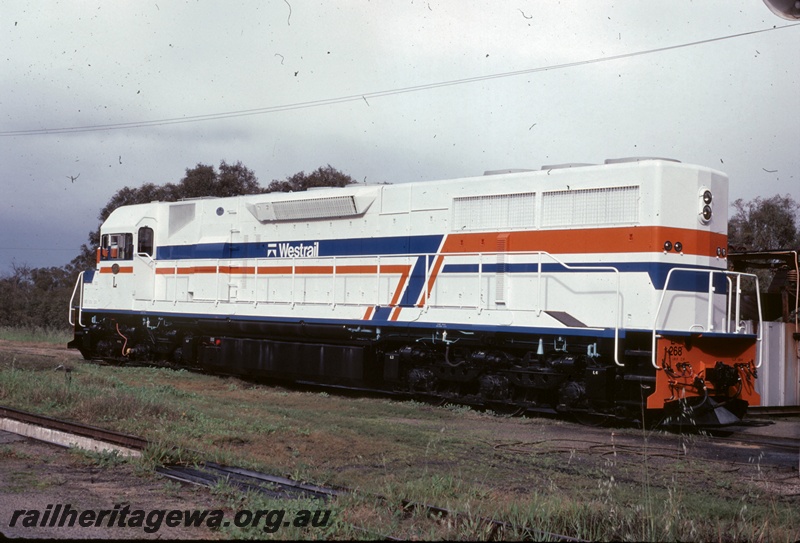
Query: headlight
[705,207]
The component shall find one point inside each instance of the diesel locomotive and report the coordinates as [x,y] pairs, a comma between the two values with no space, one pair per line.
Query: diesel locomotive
[587,289]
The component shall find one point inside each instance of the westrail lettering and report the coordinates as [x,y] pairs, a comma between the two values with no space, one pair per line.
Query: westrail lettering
[293,250]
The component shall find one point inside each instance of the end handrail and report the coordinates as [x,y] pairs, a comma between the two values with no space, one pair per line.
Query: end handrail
[738,292]
[79,282]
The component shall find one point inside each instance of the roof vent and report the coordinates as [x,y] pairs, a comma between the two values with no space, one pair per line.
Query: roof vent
[304,208]
[638,159]
[567,165]
[512,170]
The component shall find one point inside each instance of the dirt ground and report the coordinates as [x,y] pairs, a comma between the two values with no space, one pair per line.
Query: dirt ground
[34,475]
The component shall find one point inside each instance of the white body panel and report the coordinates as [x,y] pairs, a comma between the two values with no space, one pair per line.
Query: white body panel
[573,249]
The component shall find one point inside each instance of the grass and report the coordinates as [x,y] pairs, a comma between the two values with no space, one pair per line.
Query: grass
[35,335]
[519,470]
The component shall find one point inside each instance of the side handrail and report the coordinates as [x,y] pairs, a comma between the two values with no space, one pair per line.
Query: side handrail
[432,260]
[796,292]
[78,283]
[737,290]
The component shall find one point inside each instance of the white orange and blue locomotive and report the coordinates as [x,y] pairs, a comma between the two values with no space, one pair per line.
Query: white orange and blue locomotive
[575,288]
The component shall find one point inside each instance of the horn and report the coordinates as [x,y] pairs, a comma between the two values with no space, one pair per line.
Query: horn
[788,9]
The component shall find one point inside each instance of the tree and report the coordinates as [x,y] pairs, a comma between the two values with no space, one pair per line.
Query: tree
[205,180]
[764,224]
[232,180]
[202,180]
[35,297]
[321,177]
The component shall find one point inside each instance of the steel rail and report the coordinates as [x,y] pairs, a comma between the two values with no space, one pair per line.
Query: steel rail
[766,441]
[77,428]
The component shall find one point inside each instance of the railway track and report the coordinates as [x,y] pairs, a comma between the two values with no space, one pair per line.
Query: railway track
[772,441]
[32,421]
[210,474]
[787,410]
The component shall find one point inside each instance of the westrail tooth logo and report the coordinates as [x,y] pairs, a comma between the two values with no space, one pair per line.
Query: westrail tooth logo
[293,250]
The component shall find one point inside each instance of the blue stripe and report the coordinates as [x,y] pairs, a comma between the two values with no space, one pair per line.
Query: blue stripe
[413,288]
[416,281]
[396,245]
[681,281]
[382,313]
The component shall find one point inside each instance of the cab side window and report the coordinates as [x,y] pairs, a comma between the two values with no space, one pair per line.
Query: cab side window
[145,241]
[116,247]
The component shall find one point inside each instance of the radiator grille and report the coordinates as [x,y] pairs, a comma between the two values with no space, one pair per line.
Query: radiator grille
[611,205]
[494,212]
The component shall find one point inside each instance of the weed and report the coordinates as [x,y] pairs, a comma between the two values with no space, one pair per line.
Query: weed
[458,408]
[158,454]
[9,451]
[172,488]
[23,481]
[104,459]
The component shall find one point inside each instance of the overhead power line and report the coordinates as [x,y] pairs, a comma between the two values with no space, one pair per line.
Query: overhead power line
[368,95]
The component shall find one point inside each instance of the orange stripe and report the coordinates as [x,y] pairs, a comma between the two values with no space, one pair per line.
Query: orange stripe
[281,270]
[400,286]
[391,269]
[314,270]
[398,268]
[639,239]
[189,270]
[122,269]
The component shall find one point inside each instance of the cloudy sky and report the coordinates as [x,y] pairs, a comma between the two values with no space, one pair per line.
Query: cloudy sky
[96,96]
